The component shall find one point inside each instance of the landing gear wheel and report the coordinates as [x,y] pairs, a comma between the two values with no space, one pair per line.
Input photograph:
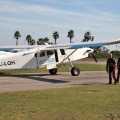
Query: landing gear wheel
[53,71]
[75,71]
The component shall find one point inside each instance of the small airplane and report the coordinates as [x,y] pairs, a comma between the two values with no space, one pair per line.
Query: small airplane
[49,56]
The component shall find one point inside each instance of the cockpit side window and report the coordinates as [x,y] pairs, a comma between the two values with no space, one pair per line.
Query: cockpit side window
[42,54]
[50,52]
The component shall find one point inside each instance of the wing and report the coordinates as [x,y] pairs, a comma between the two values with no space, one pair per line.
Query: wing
[82,45]
[19,48]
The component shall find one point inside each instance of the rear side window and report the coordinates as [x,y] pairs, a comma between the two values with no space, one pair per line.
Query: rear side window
[62,51]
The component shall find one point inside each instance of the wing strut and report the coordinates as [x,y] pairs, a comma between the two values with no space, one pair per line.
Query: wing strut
[66,58]
[74,70]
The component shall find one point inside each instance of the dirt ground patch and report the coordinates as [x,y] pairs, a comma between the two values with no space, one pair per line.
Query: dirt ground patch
[19,82]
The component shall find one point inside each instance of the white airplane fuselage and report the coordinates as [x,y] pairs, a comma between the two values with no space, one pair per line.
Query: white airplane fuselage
[33,58]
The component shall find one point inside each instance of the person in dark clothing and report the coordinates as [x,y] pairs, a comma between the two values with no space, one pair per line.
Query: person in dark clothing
[110,68]
[118,67]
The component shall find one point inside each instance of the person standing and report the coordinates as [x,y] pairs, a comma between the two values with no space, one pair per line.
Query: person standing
[110,68]
[118,67]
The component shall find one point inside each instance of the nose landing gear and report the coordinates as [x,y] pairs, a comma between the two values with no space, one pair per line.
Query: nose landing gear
[53,71]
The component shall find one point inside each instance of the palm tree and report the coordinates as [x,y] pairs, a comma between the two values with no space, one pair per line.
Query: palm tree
[55,36]
[87,37]
[17,35]
[28,39]
[70,35]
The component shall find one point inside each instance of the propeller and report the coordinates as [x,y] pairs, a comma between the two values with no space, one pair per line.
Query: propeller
[89,51]
[94,57]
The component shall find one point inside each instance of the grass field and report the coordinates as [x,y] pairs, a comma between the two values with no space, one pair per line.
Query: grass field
[90,102]
[93,102]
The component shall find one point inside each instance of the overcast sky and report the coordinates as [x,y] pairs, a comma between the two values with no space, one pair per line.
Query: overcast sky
[40,18]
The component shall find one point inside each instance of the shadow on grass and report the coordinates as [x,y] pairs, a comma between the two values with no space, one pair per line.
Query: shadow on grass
[37,77]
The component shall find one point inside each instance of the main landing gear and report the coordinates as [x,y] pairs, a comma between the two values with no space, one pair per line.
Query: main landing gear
[74,70]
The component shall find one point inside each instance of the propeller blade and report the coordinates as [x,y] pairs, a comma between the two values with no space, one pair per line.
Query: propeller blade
[94,57]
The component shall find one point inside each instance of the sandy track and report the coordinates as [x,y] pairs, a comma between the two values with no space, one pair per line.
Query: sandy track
[32,81]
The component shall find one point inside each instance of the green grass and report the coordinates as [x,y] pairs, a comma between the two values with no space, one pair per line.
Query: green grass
[92,102]
[83,67]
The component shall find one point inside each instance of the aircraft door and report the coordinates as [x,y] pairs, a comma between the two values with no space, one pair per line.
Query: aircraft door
[45,58]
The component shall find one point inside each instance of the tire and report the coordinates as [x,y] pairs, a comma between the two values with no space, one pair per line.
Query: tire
[75,71]
[53,71]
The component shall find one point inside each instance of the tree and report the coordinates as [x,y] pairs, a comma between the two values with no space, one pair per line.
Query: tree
[55,36]
[46,40]
[87,37]
[28,39]
[17,35]
[70,35]
[41,41]
[32,42]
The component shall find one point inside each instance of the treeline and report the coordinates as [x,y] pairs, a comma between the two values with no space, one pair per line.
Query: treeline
[116,54]
[87,37]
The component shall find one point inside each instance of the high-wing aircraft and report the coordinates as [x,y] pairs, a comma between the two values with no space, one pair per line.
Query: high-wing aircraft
[49,56]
